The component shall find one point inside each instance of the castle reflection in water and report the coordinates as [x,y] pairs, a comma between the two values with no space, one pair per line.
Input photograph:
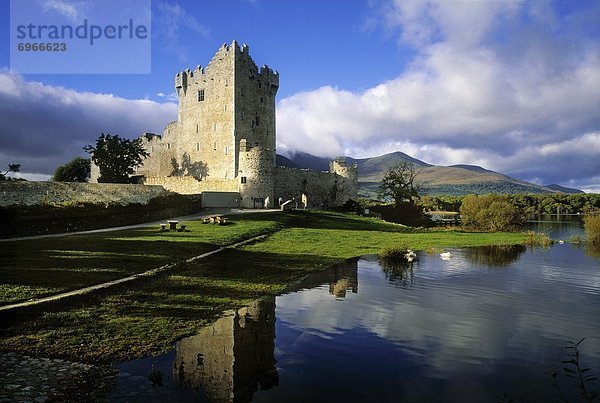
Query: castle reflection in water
[235,356]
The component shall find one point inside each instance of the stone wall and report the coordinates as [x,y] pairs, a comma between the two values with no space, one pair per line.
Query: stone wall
[323,189]
[189,185]
[56,193]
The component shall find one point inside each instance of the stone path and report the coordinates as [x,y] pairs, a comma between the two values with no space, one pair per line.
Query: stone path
[28,379]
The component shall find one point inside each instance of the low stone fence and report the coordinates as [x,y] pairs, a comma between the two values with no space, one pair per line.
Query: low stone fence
[36,208]
[64,193]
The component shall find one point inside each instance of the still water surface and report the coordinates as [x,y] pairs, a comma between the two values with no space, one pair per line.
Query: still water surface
[490,321]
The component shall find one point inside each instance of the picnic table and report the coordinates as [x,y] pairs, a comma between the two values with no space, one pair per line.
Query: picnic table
[173,225]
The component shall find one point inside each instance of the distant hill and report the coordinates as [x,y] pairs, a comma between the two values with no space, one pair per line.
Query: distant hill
[437,180]
[286,162]
[563,189]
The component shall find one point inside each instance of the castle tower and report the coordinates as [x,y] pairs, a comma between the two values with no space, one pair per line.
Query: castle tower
[254,128]
[226,122]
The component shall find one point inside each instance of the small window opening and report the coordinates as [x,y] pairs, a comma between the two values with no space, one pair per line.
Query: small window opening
[215,146]
[243,179]
[200,95]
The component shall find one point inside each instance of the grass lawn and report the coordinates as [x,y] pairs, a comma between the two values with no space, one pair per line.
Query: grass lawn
[40,267]
[145,317]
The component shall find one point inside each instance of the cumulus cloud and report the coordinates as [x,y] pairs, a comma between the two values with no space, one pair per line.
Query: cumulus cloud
[508,85]
[43,126]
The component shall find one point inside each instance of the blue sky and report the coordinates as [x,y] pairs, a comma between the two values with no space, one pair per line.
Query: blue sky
[512,86]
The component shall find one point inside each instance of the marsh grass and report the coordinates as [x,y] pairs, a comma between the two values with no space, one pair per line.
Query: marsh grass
[538,239]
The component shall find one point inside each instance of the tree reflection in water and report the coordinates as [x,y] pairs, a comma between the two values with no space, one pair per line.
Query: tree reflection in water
[494,256]
[399,271]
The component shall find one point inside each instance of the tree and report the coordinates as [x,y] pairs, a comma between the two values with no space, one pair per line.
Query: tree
[399,183]
[76,170]
[491,213]
[592,229]
[116,157]
[11,168]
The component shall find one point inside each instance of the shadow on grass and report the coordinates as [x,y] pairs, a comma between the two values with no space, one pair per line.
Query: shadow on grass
[152,313]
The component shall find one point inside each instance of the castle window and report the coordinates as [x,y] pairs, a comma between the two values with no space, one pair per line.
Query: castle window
[259,85]
[242,91]
[215,146]
[214,127]
[225,108]
[257,121]
[226,149]
[197,146]
[196,128]
[243,179]
[200,95]
[242,115]
[261,99]
[168,146]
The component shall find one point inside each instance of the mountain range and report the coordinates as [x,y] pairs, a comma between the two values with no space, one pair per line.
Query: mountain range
[453,180]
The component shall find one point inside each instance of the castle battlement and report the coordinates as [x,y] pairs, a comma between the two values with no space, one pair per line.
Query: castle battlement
[224,139]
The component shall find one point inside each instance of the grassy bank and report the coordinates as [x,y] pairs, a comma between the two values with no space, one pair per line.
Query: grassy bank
[146,317]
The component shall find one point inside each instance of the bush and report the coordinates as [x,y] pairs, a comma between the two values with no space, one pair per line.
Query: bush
[591,224]
[404,213]
[76,170]
[491,213]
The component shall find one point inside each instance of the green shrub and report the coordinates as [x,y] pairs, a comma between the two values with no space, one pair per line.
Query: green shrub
[403,213]
[491,213]
[592,230]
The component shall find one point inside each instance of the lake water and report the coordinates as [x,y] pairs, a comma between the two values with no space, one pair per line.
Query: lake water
[488,322]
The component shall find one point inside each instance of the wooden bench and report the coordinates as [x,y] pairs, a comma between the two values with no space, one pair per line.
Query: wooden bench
[163,227]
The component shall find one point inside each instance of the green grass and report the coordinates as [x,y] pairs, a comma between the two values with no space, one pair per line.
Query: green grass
[146,317]
[51,265]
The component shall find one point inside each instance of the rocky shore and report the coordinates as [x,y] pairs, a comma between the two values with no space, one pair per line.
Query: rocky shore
[29,379]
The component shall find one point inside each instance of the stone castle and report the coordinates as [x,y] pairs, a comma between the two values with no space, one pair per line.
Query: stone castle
[223,143]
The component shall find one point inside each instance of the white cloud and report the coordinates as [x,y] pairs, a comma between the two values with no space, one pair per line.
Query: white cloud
[74,11]
[42,126]
[492,84]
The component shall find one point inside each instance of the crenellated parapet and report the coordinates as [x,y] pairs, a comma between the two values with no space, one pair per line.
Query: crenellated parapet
[226,126]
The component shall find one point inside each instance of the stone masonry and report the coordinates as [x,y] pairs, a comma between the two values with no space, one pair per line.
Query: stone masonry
[224,139]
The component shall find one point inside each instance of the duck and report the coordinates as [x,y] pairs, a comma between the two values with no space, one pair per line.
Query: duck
[410,255]
[445,255]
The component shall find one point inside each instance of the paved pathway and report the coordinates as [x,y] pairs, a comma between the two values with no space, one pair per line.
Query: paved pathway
[203,214]
[28,379]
